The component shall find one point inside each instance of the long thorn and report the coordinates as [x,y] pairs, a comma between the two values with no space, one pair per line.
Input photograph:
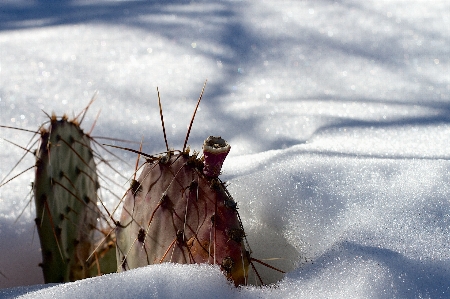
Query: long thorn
[109,152]
[20,160]
[53,229]
[19,146]
[257,274]
[133,151]
[167,251]
[162,119]
[114,139]
[267,265]
[20,129]
[84,111]
[95,121]
[48,115]
[137,160]
[16,176]
[29,202]
[193,116]
[98,246]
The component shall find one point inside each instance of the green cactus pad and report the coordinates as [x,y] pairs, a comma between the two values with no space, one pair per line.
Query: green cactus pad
[65,191]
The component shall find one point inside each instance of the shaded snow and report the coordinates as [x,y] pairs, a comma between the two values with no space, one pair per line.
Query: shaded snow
[338,114]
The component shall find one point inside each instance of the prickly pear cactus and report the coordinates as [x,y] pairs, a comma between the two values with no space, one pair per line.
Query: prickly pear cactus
[180,211]
[65,192]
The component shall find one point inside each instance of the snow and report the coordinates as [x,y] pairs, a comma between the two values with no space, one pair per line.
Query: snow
[337,113]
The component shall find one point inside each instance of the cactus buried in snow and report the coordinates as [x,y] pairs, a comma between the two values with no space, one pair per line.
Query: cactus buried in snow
[180,211]
[65,191]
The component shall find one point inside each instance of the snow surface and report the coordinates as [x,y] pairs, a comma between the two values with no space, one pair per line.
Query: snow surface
[338,114]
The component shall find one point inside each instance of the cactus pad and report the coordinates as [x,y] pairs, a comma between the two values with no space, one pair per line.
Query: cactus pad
[65,191]
[179,211]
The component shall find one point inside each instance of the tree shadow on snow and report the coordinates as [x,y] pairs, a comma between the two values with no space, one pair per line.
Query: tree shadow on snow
[248,47]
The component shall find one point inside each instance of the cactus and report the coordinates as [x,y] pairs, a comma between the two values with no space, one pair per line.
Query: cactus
[177,211]
[65,194]
[180,211]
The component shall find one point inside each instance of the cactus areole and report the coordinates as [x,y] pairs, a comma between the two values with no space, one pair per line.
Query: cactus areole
[180,211]
[65,191]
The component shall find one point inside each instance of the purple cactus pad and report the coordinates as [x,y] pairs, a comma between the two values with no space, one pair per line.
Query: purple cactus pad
[215,150]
